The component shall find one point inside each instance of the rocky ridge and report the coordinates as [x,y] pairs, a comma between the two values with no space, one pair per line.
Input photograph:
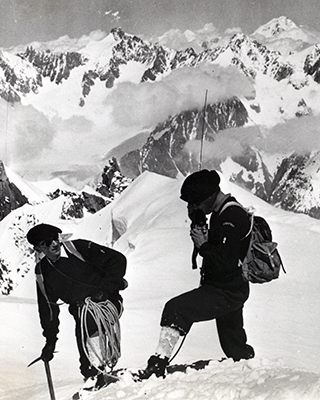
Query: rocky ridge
[75,204]
[11,197]
[164,152]
[24,72]
[55,66]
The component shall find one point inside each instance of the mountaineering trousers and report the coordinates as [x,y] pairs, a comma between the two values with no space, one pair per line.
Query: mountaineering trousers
[86,369]
[207,303]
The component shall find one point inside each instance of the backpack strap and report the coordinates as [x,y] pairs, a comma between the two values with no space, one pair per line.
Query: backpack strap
[230,203]
[40,282]
[235,203]
[72,249]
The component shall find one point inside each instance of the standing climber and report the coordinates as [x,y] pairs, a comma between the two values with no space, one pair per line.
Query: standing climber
[222,291]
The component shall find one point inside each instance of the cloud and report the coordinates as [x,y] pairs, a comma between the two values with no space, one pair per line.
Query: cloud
[178,40]
[228,143]
[184,89]
[207,37]
[300,135]
[76,175]
[34,145]
[64,43]
[25,133]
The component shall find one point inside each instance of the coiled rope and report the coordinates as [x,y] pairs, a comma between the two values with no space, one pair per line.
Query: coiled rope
[106,317]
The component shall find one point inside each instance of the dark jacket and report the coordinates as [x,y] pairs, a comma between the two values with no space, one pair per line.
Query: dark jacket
[227,244]
[90,270]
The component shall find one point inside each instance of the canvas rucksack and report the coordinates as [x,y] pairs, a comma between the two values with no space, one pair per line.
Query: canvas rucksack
[262,262]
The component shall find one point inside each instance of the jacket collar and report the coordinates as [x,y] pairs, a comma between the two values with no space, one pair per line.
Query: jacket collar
[221,200]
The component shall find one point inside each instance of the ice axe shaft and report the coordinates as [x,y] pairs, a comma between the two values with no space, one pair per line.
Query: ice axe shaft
[49,379]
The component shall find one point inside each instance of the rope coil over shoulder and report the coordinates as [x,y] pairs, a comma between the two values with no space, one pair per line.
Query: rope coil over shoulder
[106,318]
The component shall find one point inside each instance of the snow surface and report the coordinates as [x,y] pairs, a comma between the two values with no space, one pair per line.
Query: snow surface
[30,190]
[281,318]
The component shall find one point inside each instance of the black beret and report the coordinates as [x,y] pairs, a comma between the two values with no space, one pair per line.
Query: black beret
[42,232]
[200,185]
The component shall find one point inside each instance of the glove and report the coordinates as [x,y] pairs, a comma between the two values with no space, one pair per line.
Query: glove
[47,351]
[99,296]
[124,284]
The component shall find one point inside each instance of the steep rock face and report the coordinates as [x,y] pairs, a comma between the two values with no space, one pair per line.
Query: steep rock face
[251,172]
[252,57]
[113,181]
[10,196]
[312,63]
[164,151]
[292,186]
[55,66]
[295,186]
[128,48]
[184,58]
[159,65]
[17,77]
[288,180]
[76,204]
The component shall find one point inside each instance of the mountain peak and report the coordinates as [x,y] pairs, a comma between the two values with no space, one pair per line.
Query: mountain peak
[118,33]
[276,26]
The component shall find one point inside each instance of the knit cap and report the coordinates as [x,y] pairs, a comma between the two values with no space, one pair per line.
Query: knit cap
[42,232]
[200,185]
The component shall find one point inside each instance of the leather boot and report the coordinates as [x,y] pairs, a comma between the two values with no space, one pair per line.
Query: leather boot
[156,365]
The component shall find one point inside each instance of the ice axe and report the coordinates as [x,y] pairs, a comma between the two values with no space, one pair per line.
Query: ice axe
[49,377]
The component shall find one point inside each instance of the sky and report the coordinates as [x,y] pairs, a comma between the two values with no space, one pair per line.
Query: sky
[25,21]
[281,318]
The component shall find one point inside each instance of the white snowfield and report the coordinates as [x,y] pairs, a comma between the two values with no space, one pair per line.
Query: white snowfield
[281,318]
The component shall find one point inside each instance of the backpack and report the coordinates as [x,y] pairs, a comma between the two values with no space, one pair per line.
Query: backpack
[262,262]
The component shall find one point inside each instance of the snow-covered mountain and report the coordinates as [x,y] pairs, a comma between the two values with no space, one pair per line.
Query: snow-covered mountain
[105,61]
[277,26]
[285,30]
[146,86]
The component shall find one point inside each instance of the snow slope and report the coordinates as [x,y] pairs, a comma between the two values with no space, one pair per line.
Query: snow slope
[31,191]
[281,318]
